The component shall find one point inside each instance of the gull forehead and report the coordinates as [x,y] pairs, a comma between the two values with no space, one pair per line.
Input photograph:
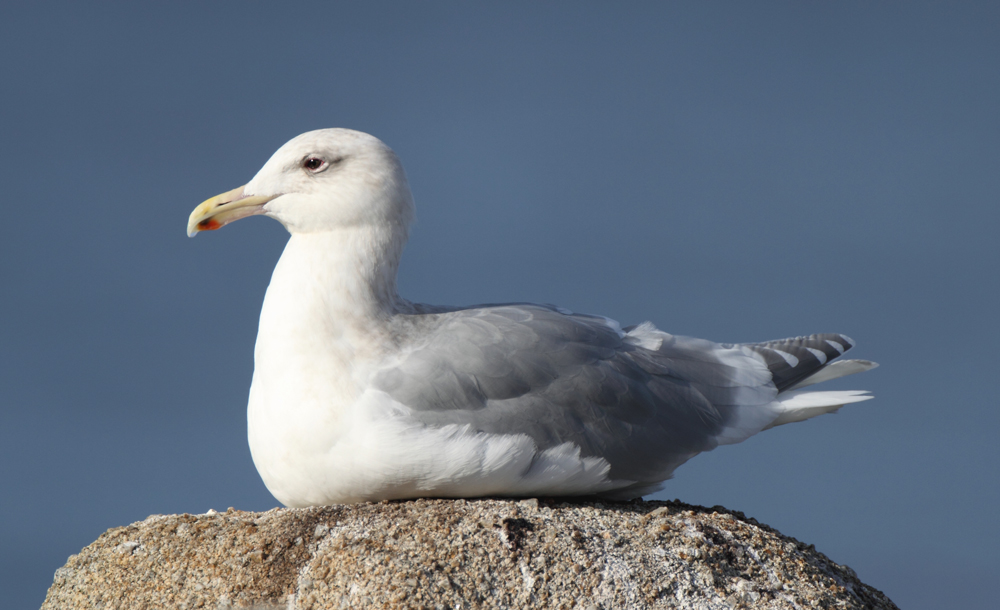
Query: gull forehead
[359,394]
[327,141]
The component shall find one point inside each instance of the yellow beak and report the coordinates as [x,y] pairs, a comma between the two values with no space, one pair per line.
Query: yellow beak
[224,209]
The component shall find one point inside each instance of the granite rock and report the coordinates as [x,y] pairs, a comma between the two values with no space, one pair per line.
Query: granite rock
[457,554]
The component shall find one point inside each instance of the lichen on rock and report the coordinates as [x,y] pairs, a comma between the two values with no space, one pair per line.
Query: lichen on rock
[488,553]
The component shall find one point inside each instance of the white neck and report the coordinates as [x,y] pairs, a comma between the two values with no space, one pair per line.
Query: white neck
[347,274]
[330,299]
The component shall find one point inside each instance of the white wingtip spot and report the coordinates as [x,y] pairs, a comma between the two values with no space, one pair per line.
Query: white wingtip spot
[848,340]
[646,336]
[836,346]
[790,359]
[819,355]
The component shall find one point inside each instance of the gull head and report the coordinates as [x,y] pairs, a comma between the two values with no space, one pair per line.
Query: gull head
[322,180]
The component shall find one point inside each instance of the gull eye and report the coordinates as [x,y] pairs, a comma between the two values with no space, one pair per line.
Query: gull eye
[314,164]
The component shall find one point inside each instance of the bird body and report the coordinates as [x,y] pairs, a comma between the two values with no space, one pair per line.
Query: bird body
[359,395]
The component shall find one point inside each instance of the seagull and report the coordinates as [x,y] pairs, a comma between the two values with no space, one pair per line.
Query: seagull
[360,395]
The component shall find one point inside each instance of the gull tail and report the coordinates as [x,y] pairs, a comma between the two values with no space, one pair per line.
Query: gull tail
[799,362]
[800,406]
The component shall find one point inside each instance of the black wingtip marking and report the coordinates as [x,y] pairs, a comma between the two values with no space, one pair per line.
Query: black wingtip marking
[808,354]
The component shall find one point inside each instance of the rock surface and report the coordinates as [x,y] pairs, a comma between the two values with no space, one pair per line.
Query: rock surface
[457,554]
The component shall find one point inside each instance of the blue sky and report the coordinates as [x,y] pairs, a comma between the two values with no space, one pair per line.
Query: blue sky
[730,171]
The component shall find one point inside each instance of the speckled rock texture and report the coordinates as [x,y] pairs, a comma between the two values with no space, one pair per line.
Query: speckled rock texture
[457,554]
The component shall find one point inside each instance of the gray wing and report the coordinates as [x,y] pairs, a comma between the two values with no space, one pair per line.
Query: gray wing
[644,400]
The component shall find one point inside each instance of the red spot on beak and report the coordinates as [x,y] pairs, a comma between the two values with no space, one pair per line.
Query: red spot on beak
[209,224]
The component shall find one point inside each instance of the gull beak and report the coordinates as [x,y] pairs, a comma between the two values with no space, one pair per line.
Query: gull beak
[224,209]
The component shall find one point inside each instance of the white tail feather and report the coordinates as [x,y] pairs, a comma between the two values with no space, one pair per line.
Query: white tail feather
[800,406]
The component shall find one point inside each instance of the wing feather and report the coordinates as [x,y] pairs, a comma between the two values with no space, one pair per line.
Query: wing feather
[560,377]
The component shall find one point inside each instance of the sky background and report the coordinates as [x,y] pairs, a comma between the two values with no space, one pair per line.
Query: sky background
[734,171]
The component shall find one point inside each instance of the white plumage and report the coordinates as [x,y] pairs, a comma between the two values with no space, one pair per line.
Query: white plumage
[358,394]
